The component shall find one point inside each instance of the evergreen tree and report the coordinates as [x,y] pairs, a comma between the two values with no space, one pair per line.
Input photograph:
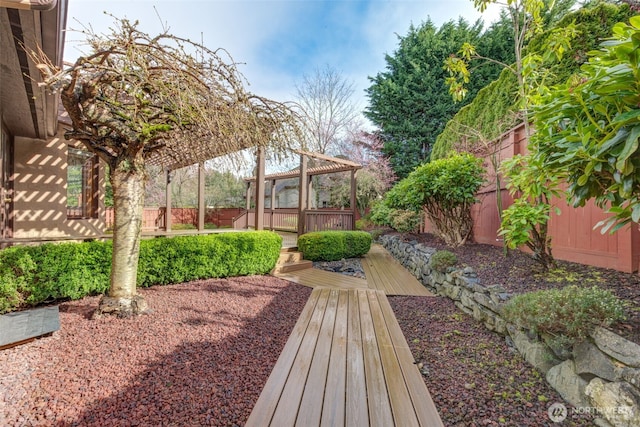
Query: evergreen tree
[409,101]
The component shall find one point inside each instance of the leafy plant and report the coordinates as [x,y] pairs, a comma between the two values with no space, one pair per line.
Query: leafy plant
[334,245]
[525,222]
[442,260]
[591,128]
[405,221]
[381,212]
[570,312]
[445,189]
[493,111]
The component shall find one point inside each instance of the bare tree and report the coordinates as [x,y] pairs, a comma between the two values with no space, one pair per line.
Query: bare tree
[327,109]
[137,100]
[374,179]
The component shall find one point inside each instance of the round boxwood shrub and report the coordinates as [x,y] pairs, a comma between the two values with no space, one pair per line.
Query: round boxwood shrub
[334,245]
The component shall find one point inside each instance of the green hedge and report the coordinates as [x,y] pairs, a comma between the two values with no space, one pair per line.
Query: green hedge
[30,275]
[334,245]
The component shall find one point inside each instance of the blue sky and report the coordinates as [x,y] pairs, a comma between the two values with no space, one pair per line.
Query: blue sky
[278,41]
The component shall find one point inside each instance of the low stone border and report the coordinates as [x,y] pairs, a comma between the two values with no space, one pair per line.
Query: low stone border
[600,375]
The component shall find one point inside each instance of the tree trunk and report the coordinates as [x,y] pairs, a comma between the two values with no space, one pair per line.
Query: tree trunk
[128,201]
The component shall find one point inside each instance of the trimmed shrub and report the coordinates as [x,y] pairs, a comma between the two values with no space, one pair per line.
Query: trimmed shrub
[334,245]
[405,221]
[571,312]
[441,261]
[30,275]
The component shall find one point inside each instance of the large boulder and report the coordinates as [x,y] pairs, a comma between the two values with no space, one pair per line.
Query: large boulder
[568,383]
[534,352]
[617,402]
[617,347]
[591,362]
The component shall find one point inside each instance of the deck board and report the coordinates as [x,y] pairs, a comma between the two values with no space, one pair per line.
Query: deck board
[345,364]
[385,273]
[314,277]
[382,272]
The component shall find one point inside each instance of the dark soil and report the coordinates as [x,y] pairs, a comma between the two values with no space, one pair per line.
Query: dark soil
[517,272]
[474,378]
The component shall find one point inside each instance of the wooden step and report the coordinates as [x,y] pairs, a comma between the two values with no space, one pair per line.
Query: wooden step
[289,257]
[293,266]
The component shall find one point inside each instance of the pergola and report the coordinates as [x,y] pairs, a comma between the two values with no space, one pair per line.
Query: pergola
[304,174]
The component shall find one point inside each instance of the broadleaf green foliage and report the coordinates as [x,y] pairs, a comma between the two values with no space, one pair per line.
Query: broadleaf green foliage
[571,312]
[30,275]
[532,185]
[590,128]
[445,189]
[405,221]
[410,103]
[441,261]
[493,111]
[334,245]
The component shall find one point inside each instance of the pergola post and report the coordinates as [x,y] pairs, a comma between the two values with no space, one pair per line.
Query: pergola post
[273,203]
[248,196]
[201,201]
[260,190]
[352,198]
[310,193]
[303,195]
[167,212]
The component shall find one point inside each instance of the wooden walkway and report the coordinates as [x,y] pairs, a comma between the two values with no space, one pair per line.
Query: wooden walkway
[346,363]
[386,274]
[383,273]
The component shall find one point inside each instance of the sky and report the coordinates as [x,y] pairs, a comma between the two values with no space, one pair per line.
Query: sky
[278,42]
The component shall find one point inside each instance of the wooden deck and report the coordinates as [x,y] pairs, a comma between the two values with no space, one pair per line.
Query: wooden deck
[383,273]
[346,363]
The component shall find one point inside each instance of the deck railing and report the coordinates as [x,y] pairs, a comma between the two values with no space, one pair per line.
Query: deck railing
[287,220]
[322,220]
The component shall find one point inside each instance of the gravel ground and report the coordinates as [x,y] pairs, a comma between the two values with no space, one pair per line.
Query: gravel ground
[203,355]
[200,358]
[474,378]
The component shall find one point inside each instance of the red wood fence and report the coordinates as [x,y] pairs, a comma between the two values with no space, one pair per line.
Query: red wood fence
[573,236]
[154,218]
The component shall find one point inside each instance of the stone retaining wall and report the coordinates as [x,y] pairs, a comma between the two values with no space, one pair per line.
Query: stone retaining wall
[600,375]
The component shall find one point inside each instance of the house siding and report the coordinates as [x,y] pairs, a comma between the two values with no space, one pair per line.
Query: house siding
[40,191]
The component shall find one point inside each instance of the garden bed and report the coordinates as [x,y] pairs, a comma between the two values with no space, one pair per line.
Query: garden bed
[201,357]
[518,273]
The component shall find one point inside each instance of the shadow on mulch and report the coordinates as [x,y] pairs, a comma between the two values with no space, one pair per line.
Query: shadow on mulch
[518,273]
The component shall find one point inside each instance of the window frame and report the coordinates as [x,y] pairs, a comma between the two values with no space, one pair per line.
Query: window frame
[89,195]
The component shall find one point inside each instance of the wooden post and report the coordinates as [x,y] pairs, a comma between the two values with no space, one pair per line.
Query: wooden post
[201,202]
[248,196]
[273,202]
[352,199]
[167,212]
[260,190]
[310,194]
[302,195]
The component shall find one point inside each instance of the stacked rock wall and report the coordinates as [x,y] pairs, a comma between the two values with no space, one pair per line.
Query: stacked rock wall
[600,375]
